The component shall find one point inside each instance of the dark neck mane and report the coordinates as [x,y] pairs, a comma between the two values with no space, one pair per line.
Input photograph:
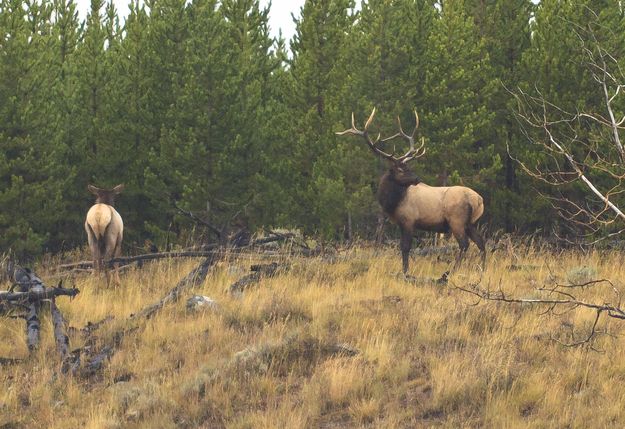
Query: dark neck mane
[390,193]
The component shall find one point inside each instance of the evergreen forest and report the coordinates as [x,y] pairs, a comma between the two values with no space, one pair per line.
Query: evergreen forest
[193,104]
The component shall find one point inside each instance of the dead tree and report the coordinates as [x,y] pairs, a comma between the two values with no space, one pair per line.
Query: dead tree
[206,252]
[557,299]
[97,360]
[581,146]
[30,295]
[258,272]
[192,279]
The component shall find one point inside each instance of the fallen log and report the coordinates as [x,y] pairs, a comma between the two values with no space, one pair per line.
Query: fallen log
[9,361]
[69,361]
[33,327]
[24,278]
[59,323]
[140,258]
[205,251]
[106,352]
[258,272]
[194,278]
[91,327]
[31,292]
[97,362]
[38,294]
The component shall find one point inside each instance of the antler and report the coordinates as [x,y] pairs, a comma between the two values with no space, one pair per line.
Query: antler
[410,155]
[365,134]
[413,152]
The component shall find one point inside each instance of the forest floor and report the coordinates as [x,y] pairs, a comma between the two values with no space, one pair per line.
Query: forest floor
[337,341]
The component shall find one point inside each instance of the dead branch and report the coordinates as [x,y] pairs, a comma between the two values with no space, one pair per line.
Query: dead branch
[32,326]
[32,320]
[91,327]
[611,310]
[258,272]
[565,300]
[37,294]
[207,252]
[9,361]
[140,258]
[219,232]
[583,147]
[194,278]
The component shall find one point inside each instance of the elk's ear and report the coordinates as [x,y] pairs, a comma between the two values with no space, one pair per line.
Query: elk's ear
[118,189]
[93,189]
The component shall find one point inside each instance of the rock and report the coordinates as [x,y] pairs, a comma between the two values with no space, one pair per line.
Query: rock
[200,302]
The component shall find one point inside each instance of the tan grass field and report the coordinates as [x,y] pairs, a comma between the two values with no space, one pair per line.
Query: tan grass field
[428,355]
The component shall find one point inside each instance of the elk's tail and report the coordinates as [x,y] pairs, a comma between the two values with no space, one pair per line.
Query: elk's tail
[477,208]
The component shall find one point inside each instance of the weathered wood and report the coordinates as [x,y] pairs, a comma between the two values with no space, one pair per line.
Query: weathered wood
[219,232]
[192,279]
[33,327]
[24,278]
[38,294]
[98,361]
[59,323]
[9,361]
[206,251]
[139,258]
[31,292]
[258,272]
[91,327]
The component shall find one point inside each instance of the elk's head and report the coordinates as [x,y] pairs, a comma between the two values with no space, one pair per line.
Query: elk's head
[399,171]
[105,196]
[402,174]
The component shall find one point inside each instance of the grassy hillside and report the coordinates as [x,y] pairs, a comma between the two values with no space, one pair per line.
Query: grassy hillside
[281,355]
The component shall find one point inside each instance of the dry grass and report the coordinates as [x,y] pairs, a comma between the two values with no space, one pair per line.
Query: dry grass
[427,355]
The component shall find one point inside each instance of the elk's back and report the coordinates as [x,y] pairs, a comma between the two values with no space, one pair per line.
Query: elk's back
[432,207]
[422,207]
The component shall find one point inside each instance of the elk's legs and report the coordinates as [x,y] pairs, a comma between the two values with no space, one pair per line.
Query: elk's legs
[116,254]
[405,243]
[477,238]
[463,243]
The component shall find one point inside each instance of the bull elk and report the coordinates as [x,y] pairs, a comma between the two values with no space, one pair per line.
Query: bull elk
[105,230]
[413,205]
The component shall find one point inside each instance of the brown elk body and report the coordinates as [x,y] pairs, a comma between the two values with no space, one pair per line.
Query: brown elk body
[105,230]
[413,205]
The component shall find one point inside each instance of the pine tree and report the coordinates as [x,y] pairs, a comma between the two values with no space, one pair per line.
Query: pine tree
[504,28]
[318,71]
[458,123]
[385,63]
[559,70]
[31,176]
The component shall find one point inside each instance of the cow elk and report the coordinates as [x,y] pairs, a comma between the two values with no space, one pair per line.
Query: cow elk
[413,205]
[105,230]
